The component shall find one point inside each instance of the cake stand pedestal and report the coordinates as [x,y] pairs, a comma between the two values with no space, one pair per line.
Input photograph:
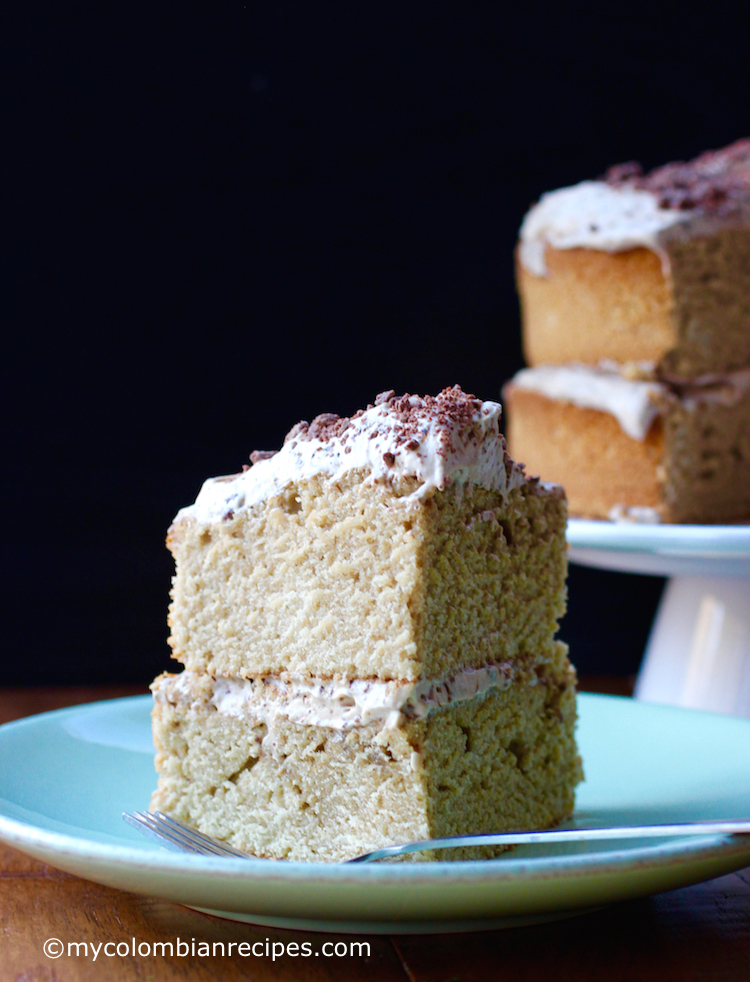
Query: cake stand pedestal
[698,652]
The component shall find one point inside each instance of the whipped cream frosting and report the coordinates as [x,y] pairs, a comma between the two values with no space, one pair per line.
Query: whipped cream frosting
[449,439]
[632,402]
[634,515]
[338,704]
[596,215]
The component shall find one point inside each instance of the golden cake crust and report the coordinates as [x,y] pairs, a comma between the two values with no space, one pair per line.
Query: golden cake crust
[594,305]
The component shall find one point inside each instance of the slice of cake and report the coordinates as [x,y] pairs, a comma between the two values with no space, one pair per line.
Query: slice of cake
[631,448]
[367,620]
[642,267]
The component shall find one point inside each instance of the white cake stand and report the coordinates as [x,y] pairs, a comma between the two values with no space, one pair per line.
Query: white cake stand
[698,652]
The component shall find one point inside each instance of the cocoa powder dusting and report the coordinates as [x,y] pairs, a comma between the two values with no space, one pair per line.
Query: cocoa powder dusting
[298,431]
[321,425]
[257,455]
[717,181]
[452,408]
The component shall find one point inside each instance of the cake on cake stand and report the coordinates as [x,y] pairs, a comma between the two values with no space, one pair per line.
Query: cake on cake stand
[698,652]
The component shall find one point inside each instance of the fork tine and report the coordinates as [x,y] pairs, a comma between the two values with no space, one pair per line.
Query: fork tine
[195,837]
[173,833]
[182,835]
[137,821]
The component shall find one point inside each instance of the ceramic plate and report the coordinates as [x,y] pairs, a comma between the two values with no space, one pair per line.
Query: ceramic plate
[66,776]
[664,550]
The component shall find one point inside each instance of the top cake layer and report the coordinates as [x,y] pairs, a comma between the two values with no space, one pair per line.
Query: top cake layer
[452,438]
[402,543]
[628,209]
[642,267]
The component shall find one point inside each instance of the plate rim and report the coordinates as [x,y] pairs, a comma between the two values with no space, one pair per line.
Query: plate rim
[687,541]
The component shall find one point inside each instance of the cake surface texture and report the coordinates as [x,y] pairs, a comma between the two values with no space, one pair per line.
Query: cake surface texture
[366,619]
[635,298]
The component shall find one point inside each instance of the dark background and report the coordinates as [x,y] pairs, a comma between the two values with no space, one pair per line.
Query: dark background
[221,218]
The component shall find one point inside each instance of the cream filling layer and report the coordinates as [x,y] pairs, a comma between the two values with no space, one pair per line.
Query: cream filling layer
[439,453]
[337,704]
[634,403]
[631,402]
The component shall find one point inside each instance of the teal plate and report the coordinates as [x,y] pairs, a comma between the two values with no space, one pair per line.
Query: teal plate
[66,777]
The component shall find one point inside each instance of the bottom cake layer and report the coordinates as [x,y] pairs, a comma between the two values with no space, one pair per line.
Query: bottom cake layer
[692,463]
[242,764]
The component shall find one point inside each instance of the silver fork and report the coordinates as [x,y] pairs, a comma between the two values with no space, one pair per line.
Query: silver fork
[171,832]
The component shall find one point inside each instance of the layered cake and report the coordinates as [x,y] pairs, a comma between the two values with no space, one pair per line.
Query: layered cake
[635,299]
[366,621]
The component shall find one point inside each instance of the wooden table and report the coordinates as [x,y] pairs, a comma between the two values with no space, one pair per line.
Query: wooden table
[692,935]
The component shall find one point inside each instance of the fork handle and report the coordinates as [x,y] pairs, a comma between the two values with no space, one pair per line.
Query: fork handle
[720,827]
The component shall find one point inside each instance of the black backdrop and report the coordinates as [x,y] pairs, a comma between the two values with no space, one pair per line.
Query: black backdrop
[225,217]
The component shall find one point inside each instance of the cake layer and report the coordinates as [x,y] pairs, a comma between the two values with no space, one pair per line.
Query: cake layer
[603,468]
[368,580]
[690,464]
[280,787]
[596,305]
[636,266]
[592,305]
[402,543]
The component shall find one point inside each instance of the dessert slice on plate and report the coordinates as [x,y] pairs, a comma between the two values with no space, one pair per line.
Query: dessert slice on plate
[366,619]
